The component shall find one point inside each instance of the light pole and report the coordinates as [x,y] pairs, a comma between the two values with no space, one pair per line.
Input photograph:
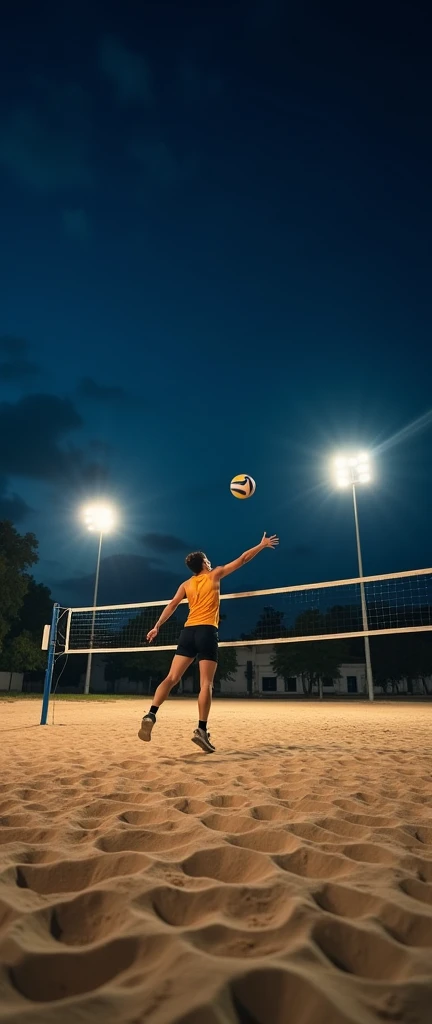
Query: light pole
[350,471]
[100,519]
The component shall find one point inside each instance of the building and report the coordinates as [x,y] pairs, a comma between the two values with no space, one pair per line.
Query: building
[11,681]
[255,676]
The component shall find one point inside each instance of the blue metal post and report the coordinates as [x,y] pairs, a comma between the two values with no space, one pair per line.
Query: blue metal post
[50,664]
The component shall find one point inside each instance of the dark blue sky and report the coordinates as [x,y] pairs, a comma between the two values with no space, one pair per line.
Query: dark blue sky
[215,224]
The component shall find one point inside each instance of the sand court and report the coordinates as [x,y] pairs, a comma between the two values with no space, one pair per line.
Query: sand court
[286,877]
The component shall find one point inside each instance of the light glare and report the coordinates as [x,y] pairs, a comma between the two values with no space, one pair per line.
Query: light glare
[99,517]
[351,469]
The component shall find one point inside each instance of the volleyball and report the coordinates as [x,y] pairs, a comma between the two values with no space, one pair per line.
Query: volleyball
[242,486]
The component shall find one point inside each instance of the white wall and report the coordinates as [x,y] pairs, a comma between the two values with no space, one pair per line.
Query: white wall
[8,682]
[260,657]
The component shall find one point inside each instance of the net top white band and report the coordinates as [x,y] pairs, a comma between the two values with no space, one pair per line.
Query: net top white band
[265,593]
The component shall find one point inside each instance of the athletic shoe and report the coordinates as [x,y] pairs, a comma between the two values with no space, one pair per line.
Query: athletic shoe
[146,727]
[202,739]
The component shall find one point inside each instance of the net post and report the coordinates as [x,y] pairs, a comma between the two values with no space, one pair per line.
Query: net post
[50,664]
[369,676]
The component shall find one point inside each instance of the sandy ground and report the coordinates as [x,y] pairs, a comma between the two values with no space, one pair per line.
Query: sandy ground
[285,878]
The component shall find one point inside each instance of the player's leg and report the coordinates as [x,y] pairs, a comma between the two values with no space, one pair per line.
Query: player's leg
[184,656]
[207,670]
[179,665]
[201,737]
[207,644]
[178,668]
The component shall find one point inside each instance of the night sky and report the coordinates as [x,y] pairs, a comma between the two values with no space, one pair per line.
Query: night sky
[215,258]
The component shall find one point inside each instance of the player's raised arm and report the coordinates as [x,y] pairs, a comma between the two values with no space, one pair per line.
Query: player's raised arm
[225,570]
[167,612]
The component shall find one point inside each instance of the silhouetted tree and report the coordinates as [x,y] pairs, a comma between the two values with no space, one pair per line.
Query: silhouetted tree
[270,625]
[311,660]
[17,554]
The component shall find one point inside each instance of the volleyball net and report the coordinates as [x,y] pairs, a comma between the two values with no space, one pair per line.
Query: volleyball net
[367,606]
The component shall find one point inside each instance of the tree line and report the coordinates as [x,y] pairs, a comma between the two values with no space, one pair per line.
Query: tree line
[25,606]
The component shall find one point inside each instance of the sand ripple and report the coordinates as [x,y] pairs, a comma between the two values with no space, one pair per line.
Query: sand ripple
[288,877]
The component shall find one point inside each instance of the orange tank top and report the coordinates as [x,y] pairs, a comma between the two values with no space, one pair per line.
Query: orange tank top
[203,597]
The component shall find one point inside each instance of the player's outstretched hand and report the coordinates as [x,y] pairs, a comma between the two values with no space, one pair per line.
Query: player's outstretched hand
[269,542]
[153,634]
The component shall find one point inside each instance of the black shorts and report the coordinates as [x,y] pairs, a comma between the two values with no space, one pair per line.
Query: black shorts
[199,642]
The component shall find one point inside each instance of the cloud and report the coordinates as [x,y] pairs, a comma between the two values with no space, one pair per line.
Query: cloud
[89,388]
[124,579]
[17,370]
[166,543]
[76,224]
[16,367]
[32,433]
[160,163]
[12,506]
[128,71]
[44,144]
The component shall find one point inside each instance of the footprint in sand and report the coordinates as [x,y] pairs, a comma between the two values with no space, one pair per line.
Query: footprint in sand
[143,840]
[53,976]
[344,828]
[310,863]
[181,908]
[145,816]
[364,952]
[227,864]
[346,901]
[271,812]
[278,995]
[76,875]
[266,840]
[90,917]
[227,800]
[194,807]
[188,789]
[371,853]
[227,941]
[227,823]
[263,906]
[407,927]
[418,890]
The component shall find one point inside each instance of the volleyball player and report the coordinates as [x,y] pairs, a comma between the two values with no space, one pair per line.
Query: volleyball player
[199,637]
